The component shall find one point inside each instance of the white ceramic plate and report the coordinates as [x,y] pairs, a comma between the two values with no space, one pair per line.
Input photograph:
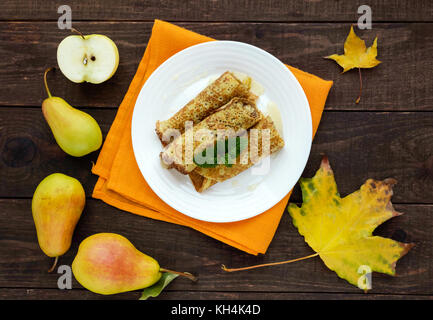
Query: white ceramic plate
[176,82]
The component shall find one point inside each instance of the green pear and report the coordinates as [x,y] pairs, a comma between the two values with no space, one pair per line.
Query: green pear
[108,263]
[75,131]
[57,205]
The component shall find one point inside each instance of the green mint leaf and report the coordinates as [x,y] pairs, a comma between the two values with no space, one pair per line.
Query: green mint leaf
[225,155]
[206,165]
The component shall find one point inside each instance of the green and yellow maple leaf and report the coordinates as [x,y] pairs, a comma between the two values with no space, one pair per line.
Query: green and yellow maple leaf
[340,230]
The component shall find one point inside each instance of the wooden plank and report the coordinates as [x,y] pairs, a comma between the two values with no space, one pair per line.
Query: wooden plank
[29,151]
[363,145]
[226,10]
[55,294]
[401,82]
[23,265]
[360,145]
[30,51]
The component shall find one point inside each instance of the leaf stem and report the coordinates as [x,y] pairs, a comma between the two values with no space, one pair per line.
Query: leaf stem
[183,274]
[360,87]
[267,264]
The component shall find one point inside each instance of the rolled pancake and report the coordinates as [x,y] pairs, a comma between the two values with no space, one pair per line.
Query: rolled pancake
[237,115]
[214,96]
[200,183]
[204,178]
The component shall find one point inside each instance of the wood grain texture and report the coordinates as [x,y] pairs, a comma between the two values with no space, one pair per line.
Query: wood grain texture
[167,294]
[360,145]
[219,10]
[29,153]
[361,140]
[402,82]
[23,265]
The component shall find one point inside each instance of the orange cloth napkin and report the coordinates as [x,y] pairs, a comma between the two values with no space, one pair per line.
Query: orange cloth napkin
[120,181]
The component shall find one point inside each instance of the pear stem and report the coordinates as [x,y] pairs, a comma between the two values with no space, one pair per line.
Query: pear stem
[267,264]
[183,274]
[79,32]
[54,265]
[45,81]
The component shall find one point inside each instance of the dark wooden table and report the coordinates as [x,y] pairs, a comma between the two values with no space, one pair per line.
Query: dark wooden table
[389,134]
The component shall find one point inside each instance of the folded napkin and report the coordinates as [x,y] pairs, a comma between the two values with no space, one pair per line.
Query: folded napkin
[121,184]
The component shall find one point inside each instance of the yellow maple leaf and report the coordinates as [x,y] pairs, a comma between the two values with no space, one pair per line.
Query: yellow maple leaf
[356,55]
[340,230]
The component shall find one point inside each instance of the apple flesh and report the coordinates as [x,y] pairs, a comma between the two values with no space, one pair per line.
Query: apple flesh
[93,58]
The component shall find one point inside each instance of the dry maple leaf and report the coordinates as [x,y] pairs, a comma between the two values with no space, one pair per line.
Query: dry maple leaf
[340,230]
[356,55]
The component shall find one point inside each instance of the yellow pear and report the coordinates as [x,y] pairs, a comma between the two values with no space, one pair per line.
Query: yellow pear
[75,131]
[57,205]
[108,263]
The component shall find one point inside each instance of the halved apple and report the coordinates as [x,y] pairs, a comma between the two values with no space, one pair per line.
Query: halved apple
[93,58]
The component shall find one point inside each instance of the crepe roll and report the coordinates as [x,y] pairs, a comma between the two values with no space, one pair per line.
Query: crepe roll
[199,182]
[204,178]
[237,115]
[214,96]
